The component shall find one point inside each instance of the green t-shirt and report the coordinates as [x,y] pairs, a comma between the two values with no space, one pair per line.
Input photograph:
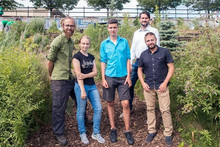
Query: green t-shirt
[4,22]
[60,53]
[1,10]
[10,23]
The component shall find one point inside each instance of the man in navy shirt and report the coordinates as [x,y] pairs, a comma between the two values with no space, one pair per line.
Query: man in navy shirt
[157,65]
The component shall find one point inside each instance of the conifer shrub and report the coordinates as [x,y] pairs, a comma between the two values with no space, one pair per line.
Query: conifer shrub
[168,35]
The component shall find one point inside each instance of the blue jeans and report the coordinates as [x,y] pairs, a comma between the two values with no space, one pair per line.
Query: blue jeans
[94,98]
[134,78]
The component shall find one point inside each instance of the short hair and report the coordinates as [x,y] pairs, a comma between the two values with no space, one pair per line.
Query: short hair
[112,21]
[63,20]
[150,34]
[144,12]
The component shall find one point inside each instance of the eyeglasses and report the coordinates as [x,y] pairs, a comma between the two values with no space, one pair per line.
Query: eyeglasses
[70,26]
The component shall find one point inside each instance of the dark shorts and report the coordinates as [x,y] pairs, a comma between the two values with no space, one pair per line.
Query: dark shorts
[113,83]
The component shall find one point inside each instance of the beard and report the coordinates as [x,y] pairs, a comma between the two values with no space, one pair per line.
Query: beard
[144,25]
[68,33]
[152,46]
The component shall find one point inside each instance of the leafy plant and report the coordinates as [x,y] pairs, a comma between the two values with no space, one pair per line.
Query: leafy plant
[24,96]
[195,84]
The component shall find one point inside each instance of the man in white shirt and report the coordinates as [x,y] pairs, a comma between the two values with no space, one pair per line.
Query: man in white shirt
[138,46]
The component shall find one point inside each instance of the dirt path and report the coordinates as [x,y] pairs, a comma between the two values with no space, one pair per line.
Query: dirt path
[44,137]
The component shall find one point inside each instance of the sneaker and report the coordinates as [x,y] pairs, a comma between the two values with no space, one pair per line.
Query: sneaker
[98,137]
[84,138]
[150,137]
[129,137]
[61,139]
[169,141]
[113,135]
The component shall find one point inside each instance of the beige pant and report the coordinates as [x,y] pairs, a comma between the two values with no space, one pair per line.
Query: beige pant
[164,104]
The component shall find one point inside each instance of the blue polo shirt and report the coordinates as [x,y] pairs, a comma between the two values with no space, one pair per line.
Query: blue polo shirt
[115,56]
[155,66]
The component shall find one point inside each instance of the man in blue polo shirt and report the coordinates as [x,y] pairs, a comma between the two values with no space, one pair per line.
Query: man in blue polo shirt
[157,65]
[115,67]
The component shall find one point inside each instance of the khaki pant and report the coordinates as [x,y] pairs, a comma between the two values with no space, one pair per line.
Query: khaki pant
[164,104]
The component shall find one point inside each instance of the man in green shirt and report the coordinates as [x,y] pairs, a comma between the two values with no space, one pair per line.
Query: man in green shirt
[8,26]
[3,24]
[1,11]
[60,75]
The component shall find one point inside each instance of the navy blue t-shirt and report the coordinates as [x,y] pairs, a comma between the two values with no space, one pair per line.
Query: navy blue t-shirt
[86,66]
[155,66]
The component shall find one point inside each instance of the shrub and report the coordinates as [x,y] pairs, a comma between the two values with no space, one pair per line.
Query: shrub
[53,28]
[196,83]
[126,29]
[168,35]
[24,93]
[36,26]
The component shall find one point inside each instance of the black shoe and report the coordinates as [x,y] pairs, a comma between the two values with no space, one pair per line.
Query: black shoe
[113,135]
[61,139]
[150,137]
[129,137]
[169,141]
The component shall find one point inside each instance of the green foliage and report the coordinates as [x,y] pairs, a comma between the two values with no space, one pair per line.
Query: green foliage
[37,38]
[97,34]
[149,5]
[38,44]
[203,5]
[180,21]
[24,96]
[7,40]
[36,26]
[53,28]
[98,4]
[9,4]
[126,29]
[196,24]
[196,137]
[168,35]
[136,22]
[17,30]
[195,84]
[50,5]
[157,18]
